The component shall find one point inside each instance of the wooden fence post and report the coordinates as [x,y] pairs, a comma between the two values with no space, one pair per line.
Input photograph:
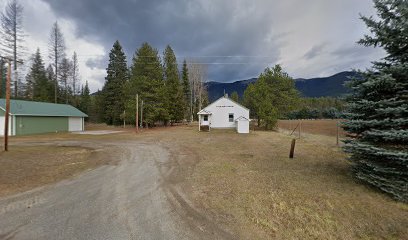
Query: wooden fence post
[137,113]
[337,133]
[292,148]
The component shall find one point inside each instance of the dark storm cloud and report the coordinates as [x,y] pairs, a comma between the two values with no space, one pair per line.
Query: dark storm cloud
[210,33]
[237,39]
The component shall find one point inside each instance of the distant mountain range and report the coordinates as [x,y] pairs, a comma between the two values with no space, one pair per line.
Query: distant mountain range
[332,86]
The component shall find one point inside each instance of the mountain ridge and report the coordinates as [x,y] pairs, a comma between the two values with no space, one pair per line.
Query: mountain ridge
[331,86]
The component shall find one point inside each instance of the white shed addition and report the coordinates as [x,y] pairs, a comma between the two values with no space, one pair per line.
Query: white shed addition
[224,113]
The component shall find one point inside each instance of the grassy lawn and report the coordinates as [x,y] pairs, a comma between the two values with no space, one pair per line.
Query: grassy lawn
[248,184]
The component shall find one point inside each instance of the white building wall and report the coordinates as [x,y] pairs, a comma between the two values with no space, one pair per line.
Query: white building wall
[11,125]
[75,124]
[243,126]
[220,110]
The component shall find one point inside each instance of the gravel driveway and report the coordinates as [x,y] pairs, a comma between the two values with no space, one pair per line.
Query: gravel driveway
[130,200]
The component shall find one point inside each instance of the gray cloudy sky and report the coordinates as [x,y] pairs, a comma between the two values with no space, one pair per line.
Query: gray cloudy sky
[236,38]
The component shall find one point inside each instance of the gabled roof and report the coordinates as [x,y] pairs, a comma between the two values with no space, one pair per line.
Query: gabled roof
[204,112]
[29,108]
[219,100]
[242,118]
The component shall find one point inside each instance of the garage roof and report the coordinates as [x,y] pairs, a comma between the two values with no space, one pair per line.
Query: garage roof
[29,108]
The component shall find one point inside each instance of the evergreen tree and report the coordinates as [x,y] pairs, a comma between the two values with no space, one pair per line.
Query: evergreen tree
[317,107]
[186,90]
[234,96]
[28,88]
[147,81]
[272,96]
[175,97]
[377,110]
[38,86]
[85,100]
[96,109]
[117,76]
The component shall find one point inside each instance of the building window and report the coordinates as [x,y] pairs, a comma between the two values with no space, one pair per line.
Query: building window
[231,117]
[205,118]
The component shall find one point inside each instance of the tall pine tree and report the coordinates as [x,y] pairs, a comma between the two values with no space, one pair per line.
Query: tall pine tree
[85,100]
[186,90]
[147,81]
[38,87]
[377,113]
[175,97]
[112,92]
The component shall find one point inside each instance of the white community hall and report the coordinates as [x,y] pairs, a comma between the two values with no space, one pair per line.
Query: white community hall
[224,113]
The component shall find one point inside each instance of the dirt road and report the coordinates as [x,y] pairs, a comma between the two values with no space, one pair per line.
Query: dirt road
[134,199]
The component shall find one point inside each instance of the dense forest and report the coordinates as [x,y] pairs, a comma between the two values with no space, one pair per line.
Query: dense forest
[165,95]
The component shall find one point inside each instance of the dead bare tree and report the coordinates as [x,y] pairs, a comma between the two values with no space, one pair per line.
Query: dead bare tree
[197,74]
[65,71]
[56,53]
[75,75]
[12,36]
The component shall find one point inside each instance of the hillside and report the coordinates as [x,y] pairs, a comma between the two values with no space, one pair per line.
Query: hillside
[314,87]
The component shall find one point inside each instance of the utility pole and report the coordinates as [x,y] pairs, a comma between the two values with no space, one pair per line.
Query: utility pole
[191,103]
[137,112]
[7,113]
[141,115]
[6,118]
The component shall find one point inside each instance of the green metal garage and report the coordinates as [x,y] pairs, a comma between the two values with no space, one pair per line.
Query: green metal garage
[27,117]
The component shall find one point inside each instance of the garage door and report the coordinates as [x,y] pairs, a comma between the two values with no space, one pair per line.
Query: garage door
[75,124]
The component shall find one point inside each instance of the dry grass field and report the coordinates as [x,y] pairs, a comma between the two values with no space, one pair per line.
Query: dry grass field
[246,183]
[35,164]
[326,127]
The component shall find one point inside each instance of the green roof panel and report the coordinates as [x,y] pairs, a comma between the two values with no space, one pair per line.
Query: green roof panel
[29,108]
